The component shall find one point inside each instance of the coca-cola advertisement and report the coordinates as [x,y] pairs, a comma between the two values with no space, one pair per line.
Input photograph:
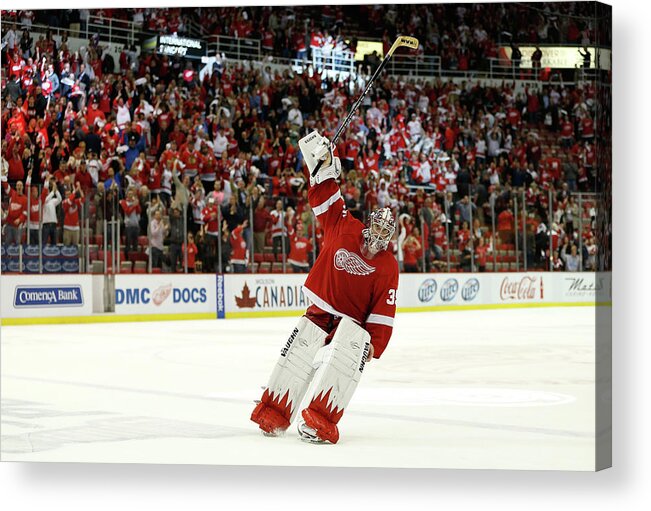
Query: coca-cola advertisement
[522,288]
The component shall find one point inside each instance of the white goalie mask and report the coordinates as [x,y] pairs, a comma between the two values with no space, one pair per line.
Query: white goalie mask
[380,230]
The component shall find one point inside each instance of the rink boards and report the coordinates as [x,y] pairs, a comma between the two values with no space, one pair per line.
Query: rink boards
[32,299]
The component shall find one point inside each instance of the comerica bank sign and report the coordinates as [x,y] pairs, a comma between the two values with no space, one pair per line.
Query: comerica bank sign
[48,296]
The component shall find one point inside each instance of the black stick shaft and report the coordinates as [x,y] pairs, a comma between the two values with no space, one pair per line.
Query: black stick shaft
[354,108]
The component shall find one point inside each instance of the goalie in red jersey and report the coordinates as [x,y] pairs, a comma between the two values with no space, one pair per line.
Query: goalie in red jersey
[352,287]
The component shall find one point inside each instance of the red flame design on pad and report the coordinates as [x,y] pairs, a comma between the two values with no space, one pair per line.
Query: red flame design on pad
[273,413]
[322,404]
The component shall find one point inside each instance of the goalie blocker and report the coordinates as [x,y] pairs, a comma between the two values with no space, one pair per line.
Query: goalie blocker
[324,375]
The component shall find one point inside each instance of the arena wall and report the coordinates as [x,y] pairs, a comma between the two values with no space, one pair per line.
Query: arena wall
[34,299]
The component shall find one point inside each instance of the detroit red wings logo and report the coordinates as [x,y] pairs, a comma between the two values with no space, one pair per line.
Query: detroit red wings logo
[351,263]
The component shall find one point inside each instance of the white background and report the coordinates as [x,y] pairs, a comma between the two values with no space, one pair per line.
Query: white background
[626,486]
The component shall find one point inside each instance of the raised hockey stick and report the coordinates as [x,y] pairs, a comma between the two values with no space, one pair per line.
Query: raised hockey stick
[401,41]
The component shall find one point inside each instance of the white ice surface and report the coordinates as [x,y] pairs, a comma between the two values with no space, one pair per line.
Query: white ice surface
[474,389]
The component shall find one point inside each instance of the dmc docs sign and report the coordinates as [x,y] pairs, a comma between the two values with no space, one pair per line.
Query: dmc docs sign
[247,293]
[45,296]
[164,294]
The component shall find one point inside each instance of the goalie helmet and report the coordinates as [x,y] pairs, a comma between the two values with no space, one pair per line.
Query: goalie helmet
[380,230]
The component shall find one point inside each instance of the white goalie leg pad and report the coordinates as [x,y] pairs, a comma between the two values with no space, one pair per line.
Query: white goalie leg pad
[294,370]
[339,369]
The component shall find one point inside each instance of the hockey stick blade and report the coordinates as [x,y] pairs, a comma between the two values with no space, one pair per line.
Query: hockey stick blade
[408,41]
[402,41]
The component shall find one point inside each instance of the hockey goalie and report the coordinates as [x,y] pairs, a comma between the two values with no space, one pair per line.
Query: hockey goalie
[352,288]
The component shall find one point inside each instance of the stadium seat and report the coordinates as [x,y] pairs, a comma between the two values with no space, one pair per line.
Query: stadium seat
[264,268]
[140,267]
[125,267]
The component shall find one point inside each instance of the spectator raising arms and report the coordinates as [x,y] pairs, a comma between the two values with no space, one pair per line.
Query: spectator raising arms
[240,252]
[16,212]
[71,206]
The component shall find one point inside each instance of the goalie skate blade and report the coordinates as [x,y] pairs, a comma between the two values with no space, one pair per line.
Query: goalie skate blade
[273,434]
[313,441]
[308,435]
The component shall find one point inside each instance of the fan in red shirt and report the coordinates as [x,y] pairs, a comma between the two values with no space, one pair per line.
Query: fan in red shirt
[190,250]
[268,38]
[412,250]
[352,287]
[71,206]
[567,132]
[505,223]
[211,216]
[94,113]
[463,236]
[274,163]
[17,122]
[552,169]
[587,128]
[240,253]
[16,211]
[83,177]
[300,248]
[15,161]
[513,117]
[261,219]
[481,253]
[439,240]
[353,148]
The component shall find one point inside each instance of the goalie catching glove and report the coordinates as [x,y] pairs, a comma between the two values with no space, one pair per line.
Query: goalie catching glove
[316,148]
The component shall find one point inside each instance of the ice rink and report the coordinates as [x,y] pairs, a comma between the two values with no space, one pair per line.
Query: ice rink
[463,389]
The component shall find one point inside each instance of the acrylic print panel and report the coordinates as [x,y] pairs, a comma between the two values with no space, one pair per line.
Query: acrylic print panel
[489,144]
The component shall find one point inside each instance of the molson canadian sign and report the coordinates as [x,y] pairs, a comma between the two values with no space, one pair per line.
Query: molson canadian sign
[265,293]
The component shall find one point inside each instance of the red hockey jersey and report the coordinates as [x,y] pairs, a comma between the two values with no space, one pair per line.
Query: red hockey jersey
[345,283]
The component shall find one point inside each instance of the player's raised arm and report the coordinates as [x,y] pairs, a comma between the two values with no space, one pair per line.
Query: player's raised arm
[324,194]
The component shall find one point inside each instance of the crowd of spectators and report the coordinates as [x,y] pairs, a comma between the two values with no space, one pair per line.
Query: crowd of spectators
[145,142]
[465,36]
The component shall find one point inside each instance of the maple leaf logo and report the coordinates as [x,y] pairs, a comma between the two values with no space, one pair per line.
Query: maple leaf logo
[246,300]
